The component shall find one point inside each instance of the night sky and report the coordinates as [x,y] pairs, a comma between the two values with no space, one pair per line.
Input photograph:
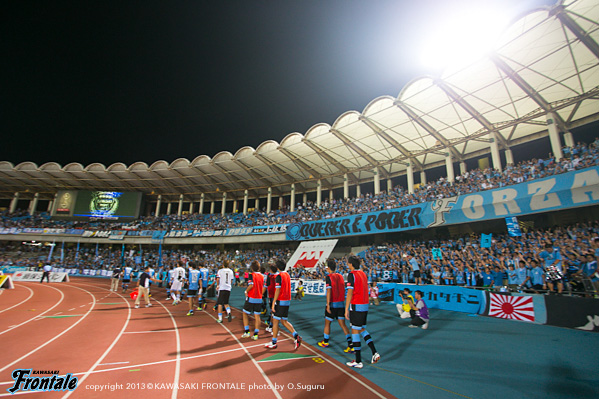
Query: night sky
[121,81]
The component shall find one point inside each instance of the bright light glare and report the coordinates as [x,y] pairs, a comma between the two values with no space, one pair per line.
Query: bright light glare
[464,36]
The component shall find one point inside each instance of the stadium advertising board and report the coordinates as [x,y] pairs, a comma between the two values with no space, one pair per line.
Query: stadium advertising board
[568,190]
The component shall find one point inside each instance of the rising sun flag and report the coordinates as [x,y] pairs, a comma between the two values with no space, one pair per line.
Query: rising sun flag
[512,307]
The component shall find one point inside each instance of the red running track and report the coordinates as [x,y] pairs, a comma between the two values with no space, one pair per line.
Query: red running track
[115,350]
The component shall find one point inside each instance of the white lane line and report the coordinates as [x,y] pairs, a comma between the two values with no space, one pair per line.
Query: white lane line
[70,310]
[156,362]
[178,358]
[107,350]
[14,306]
[270,384]
[112,364]
[41,314]
[57,336]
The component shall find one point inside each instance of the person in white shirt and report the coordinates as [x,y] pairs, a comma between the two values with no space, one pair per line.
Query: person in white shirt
[177,285]
[46,275]
[224,280]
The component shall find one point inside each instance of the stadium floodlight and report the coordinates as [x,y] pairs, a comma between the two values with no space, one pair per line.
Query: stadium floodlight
[465,35]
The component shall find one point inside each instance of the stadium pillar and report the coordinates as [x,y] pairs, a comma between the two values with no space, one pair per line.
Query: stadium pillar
[292,198]
[358,191]
[509,157]
[422,177]
[280,202]
[13,203]
[318,192]
[495,153]
[212,205]
[269,200]
[257,204]
[158,203]
[191,208]
[345,186]
[245,202]
[180,208]
[50,204]
[169,206]
[377,181]
[410,176]
[33,203]
[201,210]
[223,208]
[569,139]
[556,146]
[449,167]
[331,195]
[463,168]
[305,198]
[235,206]
[389,185]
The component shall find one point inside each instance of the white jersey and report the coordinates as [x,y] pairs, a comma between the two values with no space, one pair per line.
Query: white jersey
[225,278]
[179,273]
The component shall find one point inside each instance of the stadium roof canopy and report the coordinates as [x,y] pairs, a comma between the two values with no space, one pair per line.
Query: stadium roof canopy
[546,62]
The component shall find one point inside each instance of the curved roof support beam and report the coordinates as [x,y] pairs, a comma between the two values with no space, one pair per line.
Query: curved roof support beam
[583,36]
[272,166]
[320,152]
[360,151]
[528,89]
[239,179]
[413,161]
[473,112]
[299,163]
[254,174]
[429,129]
[155,188]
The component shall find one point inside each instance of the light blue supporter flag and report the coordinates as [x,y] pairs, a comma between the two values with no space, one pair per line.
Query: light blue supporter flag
[437,254]
[485,240]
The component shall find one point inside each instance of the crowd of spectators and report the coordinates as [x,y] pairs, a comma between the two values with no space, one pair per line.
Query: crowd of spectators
[578,157]
[556,259]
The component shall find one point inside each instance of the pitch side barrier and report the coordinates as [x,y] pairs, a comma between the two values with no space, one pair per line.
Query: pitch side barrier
[556,310]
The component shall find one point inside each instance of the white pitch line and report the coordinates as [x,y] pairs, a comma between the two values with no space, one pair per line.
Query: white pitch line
[107,350]
[26,299]
[57,336]
[178,358]
[41,314]
[270,384]
[154,363]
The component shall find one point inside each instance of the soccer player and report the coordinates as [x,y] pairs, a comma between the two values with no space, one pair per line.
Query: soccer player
[224,280]
[335,309]
[127,271]
[271,287]
[253,302]
[280,307]
[204,275]
[177,284]
[356,310]
[195,285]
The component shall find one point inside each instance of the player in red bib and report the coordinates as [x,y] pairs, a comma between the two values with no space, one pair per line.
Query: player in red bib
[356,310]
[280,307]
[271,287]
[253,302]
[335,309]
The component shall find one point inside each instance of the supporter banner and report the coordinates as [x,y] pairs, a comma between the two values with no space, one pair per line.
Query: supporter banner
[367,223]
[506,306]
[311,287]
[308,254]
[37,276]
[447,297]
[386,291]
[567,190]
[10,230]
[277,228]
[572,312]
